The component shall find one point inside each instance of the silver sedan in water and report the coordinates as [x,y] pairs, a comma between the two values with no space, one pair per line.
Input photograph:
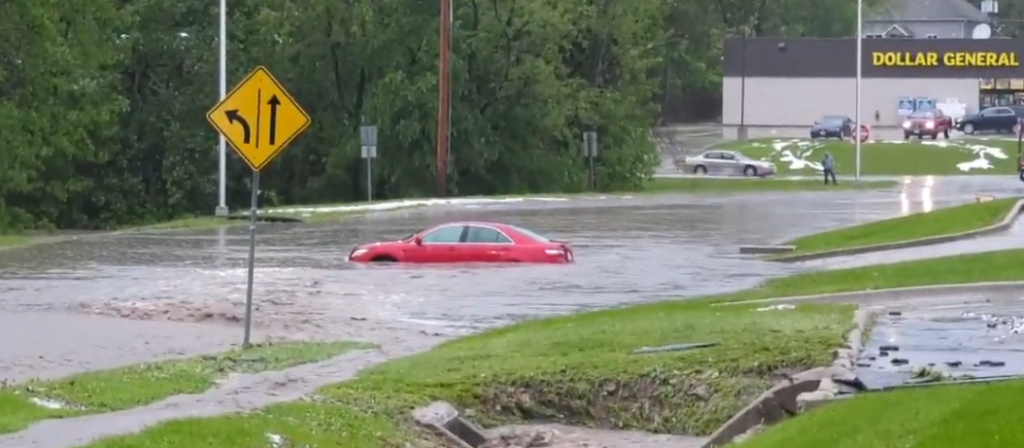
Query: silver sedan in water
[725,163]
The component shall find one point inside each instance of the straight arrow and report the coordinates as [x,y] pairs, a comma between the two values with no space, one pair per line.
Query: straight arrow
[274,104]
[234,117]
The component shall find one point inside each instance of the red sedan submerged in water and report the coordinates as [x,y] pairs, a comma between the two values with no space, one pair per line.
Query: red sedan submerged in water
[467,242]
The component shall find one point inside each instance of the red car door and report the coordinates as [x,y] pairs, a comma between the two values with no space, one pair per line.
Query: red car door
[485,244]
[438,245]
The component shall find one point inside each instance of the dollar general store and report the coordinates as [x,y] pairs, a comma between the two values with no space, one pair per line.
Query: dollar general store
[772,84]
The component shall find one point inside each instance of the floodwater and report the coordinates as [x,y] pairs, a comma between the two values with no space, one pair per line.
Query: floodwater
[979,339]
[629,250]
[104,301]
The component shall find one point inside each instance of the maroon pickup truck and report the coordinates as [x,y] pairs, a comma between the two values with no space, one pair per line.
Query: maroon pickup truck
[930,123]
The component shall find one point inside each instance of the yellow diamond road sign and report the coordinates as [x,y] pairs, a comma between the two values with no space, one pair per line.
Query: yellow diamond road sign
[259,118]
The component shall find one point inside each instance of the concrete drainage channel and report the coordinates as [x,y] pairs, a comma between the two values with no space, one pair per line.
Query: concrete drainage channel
[987,350]
[800,393]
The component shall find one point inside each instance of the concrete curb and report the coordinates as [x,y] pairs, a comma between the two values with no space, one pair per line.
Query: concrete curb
[1002,226]
[893,293]
[801,392]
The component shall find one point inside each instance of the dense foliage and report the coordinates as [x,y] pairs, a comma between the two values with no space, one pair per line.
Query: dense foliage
[102,103]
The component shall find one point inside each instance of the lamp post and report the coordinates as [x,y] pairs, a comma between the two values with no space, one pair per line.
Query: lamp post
[860,61]
[741,133]
[222,41]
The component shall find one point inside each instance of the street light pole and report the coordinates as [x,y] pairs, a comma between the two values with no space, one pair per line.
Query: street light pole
[222,41]
[860,61]
[742,132]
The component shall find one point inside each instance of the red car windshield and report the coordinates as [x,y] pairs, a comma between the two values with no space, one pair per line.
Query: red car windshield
[923,115]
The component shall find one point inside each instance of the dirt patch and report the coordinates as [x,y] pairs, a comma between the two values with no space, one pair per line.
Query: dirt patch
[668,402]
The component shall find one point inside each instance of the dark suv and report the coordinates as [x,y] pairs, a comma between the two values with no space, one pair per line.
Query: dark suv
[999,119]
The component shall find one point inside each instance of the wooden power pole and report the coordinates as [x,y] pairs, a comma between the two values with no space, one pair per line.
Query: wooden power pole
[444,99]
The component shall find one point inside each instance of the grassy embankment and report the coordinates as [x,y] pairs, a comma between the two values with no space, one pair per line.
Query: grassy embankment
[882,158]
[138,385]
[578,369]
[939,222]
[980,415]
[186,223]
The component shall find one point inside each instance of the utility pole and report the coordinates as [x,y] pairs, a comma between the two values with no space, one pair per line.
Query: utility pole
[222,195]
[444,99]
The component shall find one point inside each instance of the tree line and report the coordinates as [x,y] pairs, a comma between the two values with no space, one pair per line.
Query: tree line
[103,103]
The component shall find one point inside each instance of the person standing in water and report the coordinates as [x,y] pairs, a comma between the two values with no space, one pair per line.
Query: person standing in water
[828,165]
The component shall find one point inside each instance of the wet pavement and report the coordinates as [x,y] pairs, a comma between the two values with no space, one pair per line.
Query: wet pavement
[970,339]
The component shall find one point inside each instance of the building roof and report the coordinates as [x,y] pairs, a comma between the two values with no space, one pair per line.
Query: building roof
[927,10]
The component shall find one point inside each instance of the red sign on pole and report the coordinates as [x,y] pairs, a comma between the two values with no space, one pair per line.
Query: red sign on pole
[864,133]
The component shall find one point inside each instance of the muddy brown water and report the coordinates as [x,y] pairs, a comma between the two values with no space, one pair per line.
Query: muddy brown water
[629,250]
[98,302]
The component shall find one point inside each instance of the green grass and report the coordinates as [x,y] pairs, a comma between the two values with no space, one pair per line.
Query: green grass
[744,185]
[881,158]
[919,225]
[137,385]
[975,415]
[971,268]
[212,222]
[14,240]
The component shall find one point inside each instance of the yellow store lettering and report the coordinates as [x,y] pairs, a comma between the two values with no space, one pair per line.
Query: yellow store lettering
[950,59]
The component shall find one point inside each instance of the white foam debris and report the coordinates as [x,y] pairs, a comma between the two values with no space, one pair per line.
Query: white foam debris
[276,440]
[49,403]
[799,154]
[409,203]
[784,306]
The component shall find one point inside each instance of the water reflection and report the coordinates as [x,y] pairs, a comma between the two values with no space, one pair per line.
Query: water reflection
[925,193]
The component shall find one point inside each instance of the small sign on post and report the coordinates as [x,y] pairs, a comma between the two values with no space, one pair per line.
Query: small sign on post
[368,142]
[259,118]
[590,152]
[863,133]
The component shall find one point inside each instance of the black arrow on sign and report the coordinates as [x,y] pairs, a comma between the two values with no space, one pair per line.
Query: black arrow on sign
[274,104]
[234,117]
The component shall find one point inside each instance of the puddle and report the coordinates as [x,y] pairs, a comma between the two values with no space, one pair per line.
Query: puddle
[951,342]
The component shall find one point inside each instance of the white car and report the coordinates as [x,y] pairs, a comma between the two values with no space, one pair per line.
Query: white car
[725,163]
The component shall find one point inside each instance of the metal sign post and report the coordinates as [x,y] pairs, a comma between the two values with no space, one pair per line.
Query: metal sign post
[1019,128]
[590,152]
[259,118]
[368,141]
[253,207]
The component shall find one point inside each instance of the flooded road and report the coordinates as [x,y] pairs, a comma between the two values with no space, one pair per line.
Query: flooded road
[980,339]
[629,250]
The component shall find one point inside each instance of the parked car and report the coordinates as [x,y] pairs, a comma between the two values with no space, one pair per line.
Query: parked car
[727,163]
[927,123]
[998,119]
[467,242]
[831,126]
